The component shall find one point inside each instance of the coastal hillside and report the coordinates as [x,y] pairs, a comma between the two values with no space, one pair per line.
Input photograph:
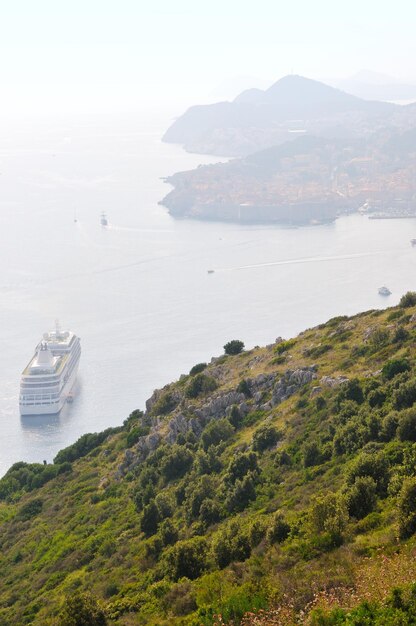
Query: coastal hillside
[270,486]
[258,119]
[310,179]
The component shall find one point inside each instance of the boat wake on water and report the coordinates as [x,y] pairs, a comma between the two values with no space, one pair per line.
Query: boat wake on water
[316,259]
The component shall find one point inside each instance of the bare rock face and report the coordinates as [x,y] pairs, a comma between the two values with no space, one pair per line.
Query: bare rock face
[368,332]
[177,425]
[316,391]
[413,319]
[328,381]
[291,382]
[136,455]
[217,406]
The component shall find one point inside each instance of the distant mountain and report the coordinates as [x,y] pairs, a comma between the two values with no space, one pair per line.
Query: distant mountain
[258,119]
[375,86]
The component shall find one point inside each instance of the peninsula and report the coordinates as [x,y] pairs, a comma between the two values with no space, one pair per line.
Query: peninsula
[305,153]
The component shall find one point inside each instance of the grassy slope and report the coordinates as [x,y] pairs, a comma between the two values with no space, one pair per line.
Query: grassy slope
[87,535]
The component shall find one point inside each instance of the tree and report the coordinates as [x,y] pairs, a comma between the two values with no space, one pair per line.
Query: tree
[243,492]
[406,429]
[210,512]
[407,508]
[215,432]
[235,346]
[187,558]
[81,609]
[265,437]
[311,454]
[405,395]
[279,529]
[168,532]
[197,369]
[371,464]
[200,384]
[408,299]
[394,367]
[231,544]
[329,514]
[150,519]
[176,462]
[240,465]
[362,497]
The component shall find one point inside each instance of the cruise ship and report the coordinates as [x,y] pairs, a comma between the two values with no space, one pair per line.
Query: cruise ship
[48,378]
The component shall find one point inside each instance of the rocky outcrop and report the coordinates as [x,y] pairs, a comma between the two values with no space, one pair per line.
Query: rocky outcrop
[291,382]
[328,381]
[136,455]
[219,405]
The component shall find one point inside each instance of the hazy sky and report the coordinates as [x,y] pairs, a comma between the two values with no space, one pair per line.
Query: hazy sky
[109,55]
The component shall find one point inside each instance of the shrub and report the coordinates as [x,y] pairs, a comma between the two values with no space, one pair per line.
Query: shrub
[394,367]
[235,417]
[350,390]
[405,395]
[265,437]
[150,519]
[242,494]
[176,462]
[231,544]
[400,334]
[199,385]
[241,464]
[379,338]
[196,492]
[284,346]
[164,503]
[243,387]
[83,446]
[168,532]
[81,609]
[408,299]
[187,558]
[328,514]
[407,508]
[311,453]
[235,346]
[215,432]
[389,426]
[279,529]
[30,509]
[210,512]
[370,464]
[135,434]
[197,369]
[361,497]
[406,429]
[165,404]
[208,462]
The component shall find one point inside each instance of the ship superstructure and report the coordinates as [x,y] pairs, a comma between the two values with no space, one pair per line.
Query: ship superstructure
[48,378]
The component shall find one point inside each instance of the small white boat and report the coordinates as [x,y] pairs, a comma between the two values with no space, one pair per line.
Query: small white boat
[384,291]
[103,219]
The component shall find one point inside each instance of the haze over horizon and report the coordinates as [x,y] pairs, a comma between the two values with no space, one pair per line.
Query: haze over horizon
[102,58]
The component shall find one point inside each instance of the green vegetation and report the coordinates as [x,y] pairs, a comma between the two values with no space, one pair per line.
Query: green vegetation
[256,490]
[235,346]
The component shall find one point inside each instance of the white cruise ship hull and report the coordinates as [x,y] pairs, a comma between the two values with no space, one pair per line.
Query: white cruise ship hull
[51,407]
[49,377]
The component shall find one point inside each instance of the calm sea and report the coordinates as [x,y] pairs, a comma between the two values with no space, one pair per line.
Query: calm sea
[138,293]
